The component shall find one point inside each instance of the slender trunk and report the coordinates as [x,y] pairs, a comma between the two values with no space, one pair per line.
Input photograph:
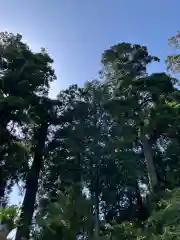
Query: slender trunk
[142,208]
[90,227]
[90,233]
[139,197]
[96,196]
[32,186]
[2,186]
[4,231]
[152,175]
[97,227]
[2,235]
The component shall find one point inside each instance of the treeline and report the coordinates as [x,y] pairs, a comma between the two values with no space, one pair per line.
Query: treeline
[94,160]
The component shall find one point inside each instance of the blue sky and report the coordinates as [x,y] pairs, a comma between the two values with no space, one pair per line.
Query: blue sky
[76,32]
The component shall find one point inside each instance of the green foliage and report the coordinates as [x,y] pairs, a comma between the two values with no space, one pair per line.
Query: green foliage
[8,216]
[162,224]
[165,219]
[89,158]
[68,215]
[173,61]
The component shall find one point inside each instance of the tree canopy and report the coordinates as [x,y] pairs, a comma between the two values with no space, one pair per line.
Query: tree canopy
[98,162]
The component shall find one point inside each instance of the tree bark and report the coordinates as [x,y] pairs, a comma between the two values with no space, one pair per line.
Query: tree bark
[142,207]
[96,196]
[97,227]
[2,235]
[4,231]
[152,175]
[138,196]
[32,186]
[2,186]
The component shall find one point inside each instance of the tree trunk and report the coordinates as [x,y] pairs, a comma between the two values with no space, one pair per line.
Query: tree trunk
[142,208]
[97,227]
[152,175]
[96,202]
[32,186]
[4,231]
[2,235]
[139,197]
[2,186]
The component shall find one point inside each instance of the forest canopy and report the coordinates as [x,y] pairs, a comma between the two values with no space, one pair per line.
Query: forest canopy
[98,162]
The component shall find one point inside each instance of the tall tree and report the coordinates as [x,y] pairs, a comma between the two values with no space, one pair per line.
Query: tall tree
[39,111]
[136,95]
[22,77]
[44,113]
[90,151]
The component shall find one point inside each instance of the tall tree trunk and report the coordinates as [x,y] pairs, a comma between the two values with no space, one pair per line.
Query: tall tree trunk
[152,175]
[96,202]
[138,196]
[4,231]
[142,208]
[2,186]
[97,227]
[32,186]
[2,235]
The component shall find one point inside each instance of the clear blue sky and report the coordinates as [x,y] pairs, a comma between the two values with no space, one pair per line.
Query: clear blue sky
[76,32]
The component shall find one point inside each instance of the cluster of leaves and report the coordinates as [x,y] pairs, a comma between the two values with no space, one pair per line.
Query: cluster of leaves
[8,214]
[8,220]
[164,221]
[162,224]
